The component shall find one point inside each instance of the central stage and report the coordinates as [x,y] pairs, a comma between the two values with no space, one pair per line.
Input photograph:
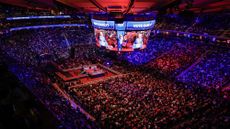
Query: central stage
[93,71]
[86,74]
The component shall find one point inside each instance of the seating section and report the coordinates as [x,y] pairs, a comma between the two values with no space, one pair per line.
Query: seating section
[212,71]
[214,24]
[173,83]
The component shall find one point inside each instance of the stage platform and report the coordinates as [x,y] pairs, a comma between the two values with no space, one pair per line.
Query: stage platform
[86,74]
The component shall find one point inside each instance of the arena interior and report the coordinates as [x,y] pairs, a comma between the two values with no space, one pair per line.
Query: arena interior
[114,64]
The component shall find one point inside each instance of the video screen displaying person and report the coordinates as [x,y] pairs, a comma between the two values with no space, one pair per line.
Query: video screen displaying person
[102,40]
[134,40]
[122,40]
[106,38]
[138,43]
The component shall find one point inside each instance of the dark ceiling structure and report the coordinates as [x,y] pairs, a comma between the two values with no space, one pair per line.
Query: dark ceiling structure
[125,6]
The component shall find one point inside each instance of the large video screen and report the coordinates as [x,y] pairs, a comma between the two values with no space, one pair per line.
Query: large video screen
[126,36]
[121,40]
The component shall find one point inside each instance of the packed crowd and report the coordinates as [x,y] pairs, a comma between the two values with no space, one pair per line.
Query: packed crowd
[38,22]
[81,58]
[168,55]
[213,24]
[155,47]
[212,71]
[35,45]
[140,98]
[7,10]
[183,54]
[58,105]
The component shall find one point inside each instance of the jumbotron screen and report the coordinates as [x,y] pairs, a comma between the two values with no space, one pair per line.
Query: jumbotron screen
[125,37]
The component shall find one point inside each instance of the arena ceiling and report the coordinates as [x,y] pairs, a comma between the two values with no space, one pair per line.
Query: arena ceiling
[125,6]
